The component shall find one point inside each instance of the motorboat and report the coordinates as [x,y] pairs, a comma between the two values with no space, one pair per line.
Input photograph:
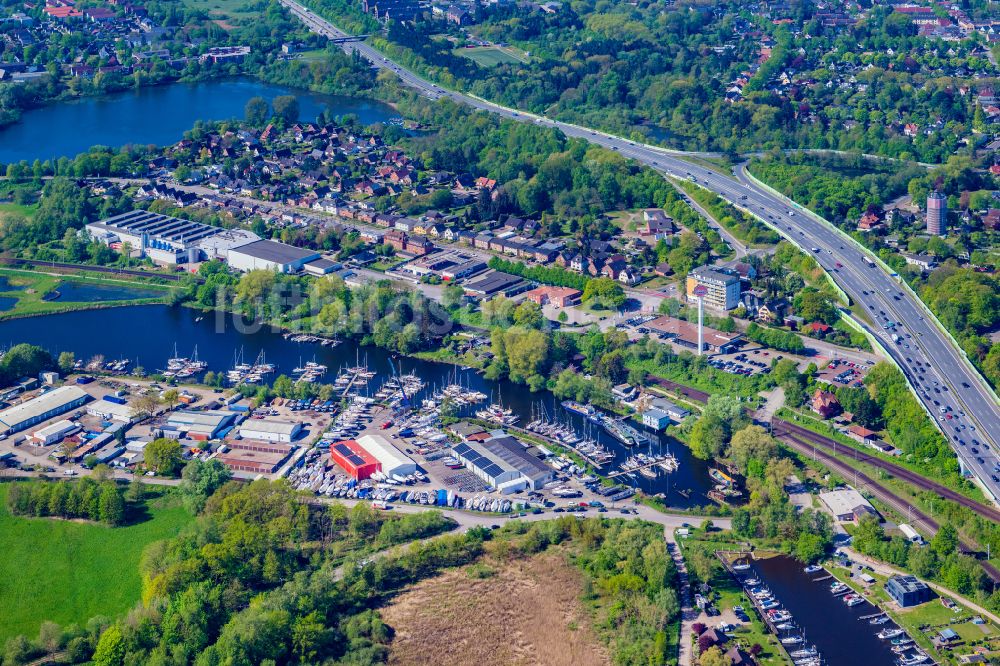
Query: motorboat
[886,634]
[813,568]
[881,619]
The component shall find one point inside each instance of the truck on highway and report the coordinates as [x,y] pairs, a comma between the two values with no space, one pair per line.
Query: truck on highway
[896,338]
[870,261]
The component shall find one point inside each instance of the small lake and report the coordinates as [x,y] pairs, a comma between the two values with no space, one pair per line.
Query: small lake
[158,115]
[147,335]
[7,303]
[81,292]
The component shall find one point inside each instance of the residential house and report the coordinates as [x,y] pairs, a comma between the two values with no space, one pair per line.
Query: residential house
[825,403]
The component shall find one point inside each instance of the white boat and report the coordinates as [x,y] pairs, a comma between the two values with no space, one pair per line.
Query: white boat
[813,568]
[886,634]
[741,567]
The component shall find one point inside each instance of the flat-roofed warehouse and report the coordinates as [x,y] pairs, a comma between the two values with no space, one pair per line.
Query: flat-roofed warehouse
[495,283]
[201,425]
[162,238]
[110,411]
[270,430]
[847,504]
[270,256]
[390,459]
[254,462]
[516,455]
[489,467]
[41,408]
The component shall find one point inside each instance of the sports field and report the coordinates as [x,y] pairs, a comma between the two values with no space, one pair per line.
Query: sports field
[68,571]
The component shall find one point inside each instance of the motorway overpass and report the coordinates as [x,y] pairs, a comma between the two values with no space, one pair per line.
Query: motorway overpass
[940,375]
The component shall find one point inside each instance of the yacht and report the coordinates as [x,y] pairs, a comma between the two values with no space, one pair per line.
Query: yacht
[813,568]
[886,634]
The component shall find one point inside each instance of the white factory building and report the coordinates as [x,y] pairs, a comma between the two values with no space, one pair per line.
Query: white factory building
[110,411]
[270,256]
[390,459]
[167,240]
[41,408]
[54,432]
[270,431]
[504,463]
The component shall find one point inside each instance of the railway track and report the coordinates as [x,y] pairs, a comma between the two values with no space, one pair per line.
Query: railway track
[862,480]
[781,427]
[10,261]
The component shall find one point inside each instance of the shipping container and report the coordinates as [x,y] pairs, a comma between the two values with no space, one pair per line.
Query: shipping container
[118,400]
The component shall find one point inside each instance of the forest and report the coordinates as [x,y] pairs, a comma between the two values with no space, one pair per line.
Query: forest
[637,70]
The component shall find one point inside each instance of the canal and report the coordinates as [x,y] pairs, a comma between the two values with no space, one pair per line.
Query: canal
[840,636]
[147,335]
[158,115]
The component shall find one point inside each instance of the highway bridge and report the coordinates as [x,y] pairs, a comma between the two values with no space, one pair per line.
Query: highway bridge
[955,395]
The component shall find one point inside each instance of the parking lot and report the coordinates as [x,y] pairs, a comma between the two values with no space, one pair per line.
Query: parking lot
[844,373]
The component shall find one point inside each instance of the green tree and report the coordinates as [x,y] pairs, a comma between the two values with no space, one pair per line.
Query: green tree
[111,505]
[163,456]
[111,648]
[286,107]
[199,480]
[66,362]
[256,111]
[605,291]
[945,541]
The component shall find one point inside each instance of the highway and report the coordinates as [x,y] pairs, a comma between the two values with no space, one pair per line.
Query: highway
[956,396]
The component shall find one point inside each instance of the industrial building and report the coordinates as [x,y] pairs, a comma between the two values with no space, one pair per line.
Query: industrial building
[164,239]
[907,590]
[270,431]
[41,408]
[110,411]
[490,468]
[270,256]
[723,286]
[54,432]
[390,459]
[847,504]
[353,459]
[515,454]
[253,462]
[495,283]
[201,425]
[502,462]
[685,334]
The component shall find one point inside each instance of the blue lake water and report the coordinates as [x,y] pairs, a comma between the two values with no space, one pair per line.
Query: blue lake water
[157,115]
[78,292]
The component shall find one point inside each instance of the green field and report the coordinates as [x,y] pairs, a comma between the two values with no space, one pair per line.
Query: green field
[68,572]
[222,9]
[491,56]
[29,288]
[13,208]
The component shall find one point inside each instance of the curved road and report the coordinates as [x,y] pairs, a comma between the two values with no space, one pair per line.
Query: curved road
[940,376]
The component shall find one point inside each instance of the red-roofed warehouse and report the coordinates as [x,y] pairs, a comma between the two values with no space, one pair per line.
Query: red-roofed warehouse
[354,459]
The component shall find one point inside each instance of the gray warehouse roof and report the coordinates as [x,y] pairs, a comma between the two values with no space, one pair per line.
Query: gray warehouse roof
[511,452]
[279,253]
[12,417]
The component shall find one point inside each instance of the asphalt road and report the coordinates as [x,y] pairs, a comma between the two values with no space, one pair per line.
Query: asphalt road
[936,369]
